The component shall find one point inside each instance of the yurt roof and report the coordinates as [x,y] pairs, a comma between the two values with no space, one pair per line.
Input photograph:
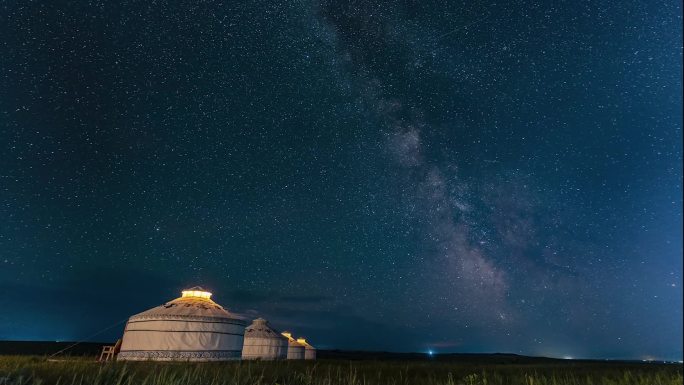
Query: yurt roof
[291,339]
[302,341]
[194,304]
[260,328]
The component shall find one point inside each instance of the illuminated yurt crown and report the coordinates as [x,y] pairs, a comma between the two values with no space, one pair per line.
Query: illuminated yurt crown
[196,292]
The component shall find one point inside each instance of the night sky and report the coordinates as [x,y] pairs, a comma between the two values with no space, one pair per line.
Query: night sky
[413,175]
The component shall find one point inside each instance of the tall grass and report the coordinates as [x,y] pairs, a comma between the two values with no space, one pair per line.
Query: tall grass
[24,370]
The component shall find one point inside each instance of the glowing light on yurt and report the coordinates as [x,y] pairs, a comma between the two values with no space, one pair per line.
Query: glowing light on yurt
[295,350]
[263,342]
[189,328]
[309,351]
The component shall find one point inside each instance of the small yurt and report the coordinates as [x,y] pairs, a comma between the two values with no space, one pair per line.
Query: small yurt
[309,351]
[189,328]
[295,350]
[263,342]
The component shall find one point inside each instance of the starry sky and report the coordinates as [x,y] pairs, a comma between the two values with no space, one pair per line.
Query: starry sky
[456,176]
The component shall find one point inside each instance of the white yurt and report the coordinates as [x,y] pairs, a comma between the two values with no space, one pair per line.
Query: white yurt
[189,328]
[295,350]
[263,342]
[309,351]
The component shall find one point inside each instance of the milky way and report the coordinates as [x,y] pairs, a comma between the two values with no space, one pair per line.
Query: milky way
[379,175]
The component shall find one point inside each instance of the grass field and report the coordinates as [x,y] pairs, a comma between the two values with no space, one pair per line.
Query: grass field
[37,370]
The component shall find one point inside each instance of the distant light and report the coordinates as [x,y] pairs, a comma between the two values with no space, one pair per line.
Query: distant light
[431,353]
[568,358]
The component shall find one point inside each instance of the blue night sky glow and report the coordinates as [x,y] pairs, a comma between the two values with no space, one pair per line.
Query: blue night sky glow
[380,175]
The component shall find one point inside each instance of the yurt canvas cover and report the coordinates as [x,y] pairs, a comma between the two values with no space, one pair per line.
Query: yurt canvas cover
[295,350]
[263,342]
[189,328]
